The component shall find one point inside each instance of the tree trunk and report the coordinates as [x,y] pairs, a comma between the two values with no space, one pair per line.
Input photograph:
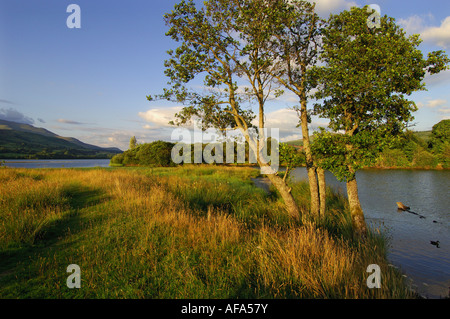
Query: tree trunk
[285,192]
[281,186]
[322,190]
[312,176]
[313,190]
[358,222]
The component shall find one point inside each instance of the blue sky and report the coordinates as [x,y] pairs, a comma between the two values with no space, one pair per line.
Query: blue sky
[91,83]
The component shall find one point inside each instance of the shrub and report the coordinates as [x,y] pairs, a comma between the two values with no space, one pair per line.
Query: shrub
[155,154]
[393,158]
[150,154]
[423,158]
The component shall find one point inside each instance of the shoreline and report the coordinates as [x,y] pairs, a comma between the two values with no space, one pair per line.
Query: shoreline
[437,168]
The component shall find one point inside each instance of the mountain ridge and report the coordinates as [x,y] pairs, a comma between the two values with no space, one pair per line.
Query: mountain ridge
[19,140]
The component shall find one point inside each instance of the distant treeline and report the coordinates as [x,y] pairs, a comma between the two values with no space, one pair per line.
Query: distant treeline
[411,150]
[48,153]
[419,149]
[159,153]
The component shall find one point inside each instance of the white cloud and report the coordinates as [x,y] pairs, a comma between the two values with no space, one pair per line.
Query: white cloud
[121,138]
[159,117]
[412,25]
[438,35]
[431,103]
[444,113]
[325,7]
[442,78]
[436,106]
[434,103]
[285,120]
[291,137]
[13,115]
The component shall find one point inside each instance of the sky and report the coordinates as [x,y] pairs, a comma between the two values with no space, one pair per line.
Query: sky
[91,82]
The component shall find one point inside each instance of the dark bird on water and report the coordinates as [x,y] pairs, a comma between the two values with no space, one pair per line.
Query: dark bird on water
[435,243]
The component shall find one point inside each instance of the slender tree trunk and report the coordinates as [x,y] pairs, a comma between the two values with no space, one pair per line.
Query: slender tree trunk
[281,186]
[285,192]
[313,189]
[358,221]
[312,176]
[322,190]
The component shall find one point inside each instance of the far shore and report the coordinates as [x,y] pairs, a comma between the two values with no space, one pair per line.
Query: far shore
[438,167]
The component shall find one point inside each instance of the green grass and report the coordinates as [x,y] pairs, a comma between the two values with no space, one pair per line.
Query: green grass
[184,232]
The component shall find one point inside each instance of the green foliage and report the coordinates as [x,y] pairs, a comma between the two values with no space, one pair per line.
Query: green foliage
[117,159]
[149,154]
[290,157]
[444,156]
[423,158]
[133,142]
[157,153]
[393,158]
[207,50]
[364,84]
[337,152]
[440,136]
[411,149]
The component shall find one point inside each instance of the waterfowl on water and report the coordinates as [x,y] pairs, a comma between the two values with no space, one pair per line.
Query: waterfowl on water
[402,206]
[435,243]
[405,208]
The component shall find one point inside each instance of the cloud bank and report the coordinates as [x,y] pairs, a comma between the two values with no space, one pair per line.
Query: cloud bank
[13,115]
[437,35]
[64,121]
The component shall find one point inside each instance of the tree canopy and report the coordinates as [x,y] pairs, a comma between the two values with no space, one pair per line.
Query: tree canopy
[364,84]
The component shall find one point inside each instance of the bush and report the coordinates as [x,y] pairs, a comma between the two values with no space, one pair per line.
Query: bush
[440,136]
[423,158]
[117,159]
[155,154]
[444,157]
[150,154]
[393,158]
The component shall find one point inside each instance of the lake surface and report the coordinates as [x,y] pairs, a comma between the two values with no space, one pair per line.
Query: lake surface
[427,193]
[52,163]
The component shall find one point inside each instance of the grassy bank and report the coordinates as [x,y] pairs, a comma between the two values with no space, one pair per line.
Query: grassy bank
[185,232]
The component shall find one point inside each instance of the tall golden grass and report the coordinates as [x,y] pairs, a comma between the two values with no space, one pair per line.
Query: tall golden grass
[187,232]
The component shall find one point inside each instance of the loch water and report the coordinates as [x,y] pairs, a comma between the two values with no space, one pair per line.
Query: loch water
[426,192]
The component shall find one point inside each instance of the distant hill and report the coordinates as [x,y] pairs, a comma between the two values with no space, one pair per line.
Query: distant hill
[19,140]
